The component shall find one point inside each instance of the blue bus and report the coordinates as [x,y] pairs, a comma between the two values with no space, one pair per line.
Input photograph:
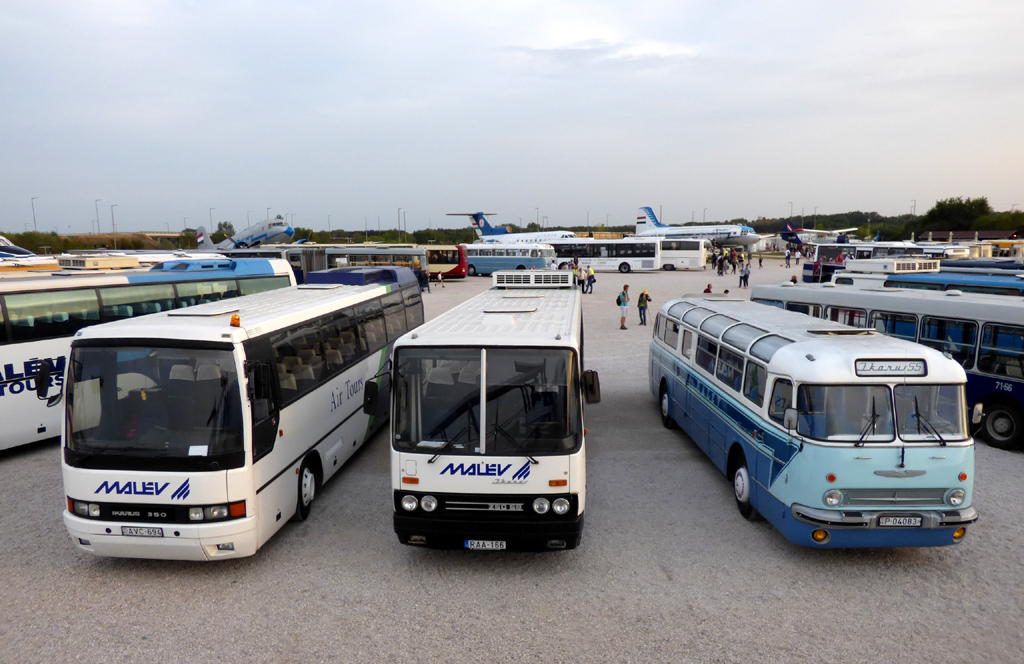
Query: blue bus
[984,333]
[838,437]
[489,257]
[40,315]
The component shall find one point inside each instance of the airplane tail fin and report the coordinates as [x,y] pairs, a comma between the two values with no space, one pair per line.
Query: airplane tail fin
[646,220]
[203,240]
[480,224]
[790,234]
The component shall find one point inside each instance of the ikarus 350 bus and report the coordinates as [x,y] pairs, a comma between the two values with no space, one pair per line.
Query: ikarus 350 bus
[197,433]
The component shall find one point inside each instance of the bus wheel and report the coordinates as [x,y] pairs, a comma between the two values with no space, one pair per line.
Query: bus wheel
[666,417]
[307,491]
[668,266]
[624,268]
[741,487]
[520,267]
[471,271]
[1002,426]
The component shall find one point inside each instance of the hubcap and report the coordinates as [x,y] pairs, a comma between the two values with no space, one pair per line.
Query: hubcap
[1000,424]
[741,485]
[664,404]
[308,486]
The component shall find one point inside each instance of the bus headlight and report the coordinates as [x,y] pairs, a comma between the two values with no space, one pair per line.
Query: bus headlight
[833,497]
[216,512]
[955,497]
[560,506]
[409,503]
[195,514]
[85,509]
[541,506]
[428,503]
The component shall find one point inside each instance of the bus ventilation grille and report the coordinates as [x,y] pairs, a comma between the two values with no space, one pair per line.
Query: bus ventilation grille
[534,279]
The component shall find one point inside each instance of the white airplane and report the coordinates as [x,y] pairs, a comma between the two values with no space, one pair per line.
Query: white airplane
[486,233]
[647,225]
[808,235]
[273,231]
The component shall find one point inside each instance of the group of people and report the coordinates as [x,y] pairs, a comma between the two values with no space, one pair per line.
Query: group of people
[722,260]
[623,301]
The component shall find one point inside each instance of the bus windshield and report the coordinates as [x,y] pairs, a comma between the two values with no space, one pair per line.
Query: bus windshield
[930,412]
[531,401]
[137,407]
[847,413]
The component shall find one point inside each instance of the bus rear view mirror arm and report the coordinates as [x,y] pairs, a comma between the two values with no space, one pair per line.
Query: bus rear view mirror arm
[591,386]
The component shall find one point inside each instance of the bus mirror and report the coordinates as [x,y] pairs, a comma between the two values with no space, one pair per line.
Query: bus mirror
[977,412]
[789,419]
[43,379]
[591,386]
[370,398]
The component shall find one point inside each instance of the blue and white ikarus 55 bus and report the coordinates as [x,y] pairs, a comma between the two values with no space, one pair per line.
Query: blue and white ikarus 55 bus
[839,437]
[488,448]
[196,434]
[38,316]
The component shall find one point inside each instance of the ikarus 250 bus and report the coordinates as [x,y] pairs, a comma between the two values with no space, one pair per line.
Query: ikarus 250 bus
[488,442]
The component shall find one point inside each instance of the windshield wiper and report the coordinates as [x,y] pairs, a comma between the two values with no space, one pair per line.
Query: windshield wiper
[929,428]
[870,426]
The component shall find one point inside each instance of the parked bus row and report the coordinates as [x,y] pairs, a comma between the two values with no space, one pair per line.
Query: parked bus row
[39,315]
[983,333]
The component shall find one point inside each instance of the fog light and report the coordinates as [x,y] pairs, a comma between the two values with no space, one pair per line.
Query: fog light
[560,506]
[955,497]
[820,536]
[216,512]
[409,503]
[541,506]
[195,514]
[428,503]
[959,533]
[228,546]
[833,497]
[85,542]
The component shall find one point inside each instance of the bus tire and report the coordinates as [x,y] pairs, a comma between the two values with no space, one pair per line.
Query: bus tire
[664,403]
[520,267]
[471,271]
[742,486]
[668,266]
[1002,426]
[308,485]
[624,268]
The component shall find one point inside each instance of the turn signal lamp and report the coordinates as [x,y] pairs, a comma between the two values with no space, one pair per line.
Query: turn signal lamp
[236,321]
[959,533]
[820,536]
[237,509]
[558,482]
[410,480]
[963,477]
[831,477]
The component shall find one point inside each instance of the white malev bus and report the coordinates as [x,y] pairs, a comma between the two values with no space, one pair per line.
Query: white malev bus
[39,315]
[678,254]
[632,254]
[488,449]
[196,434]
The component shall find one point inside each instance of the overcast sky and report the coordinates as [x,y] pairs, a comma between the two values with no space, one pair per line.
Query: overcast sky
[714,110]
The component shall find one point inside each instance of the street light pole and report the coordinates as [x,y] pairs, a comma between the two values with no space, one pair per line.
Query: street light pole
[34,227]
[913,208]
[113,226]
[790,209]
[268,214]
[212,229]
[399,224]
[248,221]
[704,216]
[328,227]
[97,203]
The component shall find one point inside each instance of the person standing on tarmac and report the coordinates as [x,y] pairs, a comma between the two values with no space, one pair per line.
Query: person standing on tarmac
[641,303]
[623,301]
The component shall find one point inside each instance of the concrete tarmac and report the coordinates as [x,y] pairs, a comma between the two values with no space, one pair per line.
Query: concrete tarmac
[668,571]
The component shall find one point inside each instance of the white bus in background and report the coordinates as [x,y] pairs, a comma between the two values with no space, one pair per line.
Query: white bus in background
[39,315]
[196,434]
[485,258]
[626,255]
[678,254]
[488,441]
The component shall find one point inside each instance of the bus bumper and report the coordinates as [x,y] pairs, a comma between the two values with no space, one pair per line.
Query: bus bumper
[518,535]
[816,527]
[229,539]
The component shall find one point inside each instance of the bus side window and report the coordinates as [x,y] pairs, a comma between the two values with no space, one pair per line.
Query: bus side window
[672,334]
[394,315]
[782,398]
[956,337]
[414,307]
[754,382]
[730,368]
[687,348]
[903,326]
[371,325]
[1002,350]
[706,353]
